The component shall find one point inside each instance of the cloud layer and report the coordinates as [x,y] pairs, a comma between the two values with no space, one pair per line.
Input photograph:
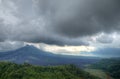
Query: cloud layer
[60,22]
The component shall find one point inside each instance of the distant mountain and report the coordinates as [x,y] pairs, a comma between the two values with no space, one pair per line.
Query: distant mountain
[33,55]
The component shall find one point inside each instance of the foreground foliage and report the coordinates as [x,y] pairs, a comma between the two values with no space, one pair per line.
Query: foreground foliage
[27,71]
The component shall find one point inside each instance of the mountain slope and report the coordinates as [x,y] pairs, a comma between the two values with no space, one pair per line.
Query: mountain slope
[32,55]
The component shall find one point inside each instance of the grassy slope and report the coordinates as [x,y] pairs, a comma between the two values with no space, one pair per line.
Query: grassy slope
[99,73]
[111,66]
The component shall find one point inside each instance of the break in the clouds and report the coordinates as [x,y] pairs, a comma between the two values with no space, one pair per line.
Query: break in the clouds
[61,22]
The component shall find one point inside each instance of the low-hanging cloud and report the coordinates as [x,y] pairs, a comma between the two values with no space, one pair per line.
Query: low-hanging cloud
[57,21]
[8,45]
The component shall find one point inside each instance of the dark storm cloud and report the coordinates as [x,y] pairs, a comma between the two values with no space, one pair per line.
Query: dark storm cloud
[89,18]
[57,21]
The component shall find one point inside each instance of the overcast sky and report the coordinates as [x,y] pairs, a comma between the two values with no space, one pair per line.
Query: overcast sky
[59,25]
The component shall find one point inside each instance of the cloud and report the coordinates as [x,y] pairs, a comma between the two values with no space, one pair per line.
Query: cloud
[105,38]
[65,50]
[10,45]
[82,17]
[60,22]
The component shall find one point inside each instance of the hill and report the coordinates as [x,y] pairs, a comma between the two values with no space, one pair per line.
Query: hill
[33,55]
[27,71]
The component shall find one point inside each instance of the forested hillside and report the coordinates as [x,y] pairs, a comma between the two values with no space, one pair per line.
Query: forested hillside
[27,71]
[111,66]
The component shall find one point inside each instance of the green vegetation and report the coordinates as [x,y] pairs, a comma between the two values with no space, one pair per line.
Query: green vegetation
[111,66]
[99,73]
[27,71]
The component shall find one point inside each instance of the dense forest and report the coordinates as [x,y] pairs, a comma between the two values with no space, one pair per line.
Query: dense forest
[26,71]
[111,66]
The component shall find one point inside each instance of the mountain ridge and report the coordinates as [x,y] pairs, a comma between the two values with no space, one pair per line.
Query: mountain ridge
[33,55]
